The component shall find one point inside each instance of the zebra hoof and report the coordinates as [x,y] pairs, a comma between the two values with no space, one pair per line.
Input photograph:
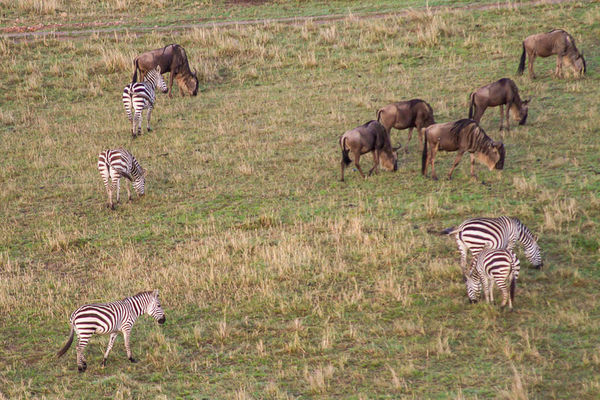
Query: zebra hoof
[133,360]
[103,362]
[82,368]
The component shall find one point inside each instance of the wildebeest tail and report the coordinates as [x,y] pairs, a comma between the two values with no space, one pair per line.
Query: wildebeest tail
[135,70]
[424,155]
[345,158]
[522,62]
[472,106]
[68,344]
[379,115]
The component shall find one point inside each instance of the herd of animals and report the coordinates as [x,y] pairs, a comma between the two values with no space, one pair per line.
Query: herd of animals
[491,241]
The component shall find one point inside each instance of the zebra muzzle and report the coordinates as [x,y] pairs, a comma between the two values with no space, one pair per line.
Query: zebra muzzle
[162,320]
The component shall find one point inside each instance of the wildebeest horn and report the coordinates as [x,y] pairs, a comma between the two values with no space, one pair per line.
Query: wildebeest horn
[396,148]
[195,72]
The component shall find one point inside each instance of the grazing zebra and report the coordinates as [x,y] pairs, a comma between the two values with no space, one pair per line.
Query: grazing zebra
[140,96]
[113,164]
[499,233]
[115,317]
[489,266]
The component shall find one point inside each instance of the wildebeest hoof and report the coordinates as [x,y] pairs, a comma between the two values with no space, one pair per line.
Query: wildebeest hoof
[435,178]
[133,360]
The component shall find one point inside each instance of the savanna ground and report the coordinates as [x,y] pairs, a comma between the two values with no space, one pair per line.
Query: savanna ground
[279,281]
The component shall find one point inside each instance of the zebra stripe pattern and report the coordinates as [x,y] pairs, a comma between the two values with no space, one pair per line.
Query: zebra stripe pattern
[115,317]
[114,164]
[141,96]
[498,233]
[489,266]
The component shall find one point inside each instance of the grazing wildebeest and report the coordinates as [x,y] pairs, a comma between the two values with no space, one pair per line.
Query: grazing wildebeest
[462,135]
[370,137]
[414,113]
[556,42]
[171,58]
[503,91]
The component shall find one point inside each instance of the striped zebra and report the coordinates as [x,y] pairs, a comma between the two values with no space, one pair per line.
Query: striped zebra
[489,266]
[140,96]
[114,164]
[115,317]
[499,233]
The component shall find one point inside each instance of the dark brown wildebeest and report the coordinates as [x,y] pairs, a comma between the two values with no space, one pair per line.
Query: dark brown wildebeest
[462,135]
[556,42]
[171,58]
[370,137]
[414,113]
[503,91]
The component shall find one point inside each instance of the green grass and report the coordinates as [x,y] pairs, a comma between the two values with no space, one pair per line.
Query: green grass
[279,281]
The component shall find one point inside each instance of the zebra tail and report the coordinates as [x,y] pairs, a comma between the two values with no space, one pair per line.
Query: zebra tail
[522,63]
[135,69]
[472,106]
[68,344]
[448,231]
[513,285]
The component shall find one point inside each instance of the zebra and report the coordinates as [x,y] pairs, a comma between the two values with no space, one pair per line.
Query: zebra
[117,316]
[113,164]
[489,266]
[138,96]
[500,233]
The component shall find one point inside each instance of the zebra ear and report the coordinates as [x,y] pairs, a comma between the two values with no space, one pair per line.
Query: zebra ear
[144,173]
[155,292]
[158,68]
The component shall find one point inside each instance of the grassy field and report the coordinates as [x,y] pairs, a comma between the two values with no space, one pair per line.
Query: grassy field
[278,281]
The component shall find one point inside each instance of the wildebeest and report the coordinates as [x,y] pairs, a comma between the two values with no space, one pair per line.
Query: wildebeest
[462,135]
[370,137]
[556,42]
[414,113]
[173,59]
[503,91]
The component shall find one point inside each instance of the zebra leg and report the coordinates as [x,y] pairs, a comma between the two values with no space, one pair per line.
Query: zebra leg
[491,289]
[126,334]
[462,247]
[111,341]
[117,185]
[149,113]
[137,123]
[486,291]
[128,192]
[82,342]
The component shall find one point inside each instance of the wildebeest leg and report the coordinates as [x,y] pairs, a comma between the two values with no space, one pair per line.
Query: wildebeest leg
[432,154]
[501,116]
[171,83]
[456,161]
[421,135]
[410,130]
[473,166]
[343,168]
[559,65]
[375,162]
[531,56]
[356,160]
[508,107]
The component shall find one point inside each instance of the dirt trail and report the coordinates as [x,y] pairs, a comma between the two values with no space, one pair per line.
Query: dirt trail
[320,19]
